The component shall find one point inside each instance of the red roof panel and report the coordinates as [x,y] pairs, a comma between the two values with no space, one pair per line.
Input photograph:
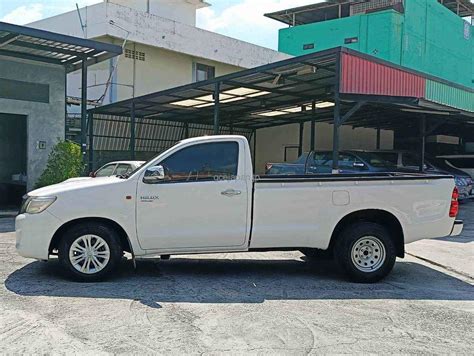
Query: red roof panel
[362,76]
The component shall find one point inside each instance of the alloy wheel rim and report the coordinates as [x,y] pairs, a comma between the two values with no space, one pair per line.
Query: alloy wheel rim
[368,254]
[89,254]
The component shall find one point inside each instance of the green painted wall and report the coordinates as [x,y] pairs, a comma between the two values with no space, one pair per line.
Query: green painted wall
[427,37]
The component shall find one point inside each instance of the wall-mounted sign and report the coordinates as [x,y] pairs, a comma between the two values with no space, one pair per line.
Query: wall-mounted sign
[351,40]
[40,145]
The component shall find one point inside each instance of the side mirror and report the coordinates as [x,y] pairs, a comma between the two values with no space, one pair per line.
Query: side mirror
[92,174]
[154,175]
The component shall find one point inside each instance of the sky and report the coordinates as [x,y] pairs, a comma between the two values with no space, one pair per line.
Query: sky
[241,19]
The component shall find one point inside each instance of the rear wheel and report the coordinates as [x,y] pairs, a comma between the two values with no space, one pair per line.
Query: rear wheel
[90,251]
[365,251]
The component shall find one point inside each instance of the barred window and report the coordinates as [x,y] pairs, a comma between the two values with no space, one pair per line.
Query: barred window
[134,54]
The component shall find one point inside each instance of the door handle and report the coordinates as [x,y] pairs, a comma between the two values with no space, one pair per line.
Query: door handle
[231,192]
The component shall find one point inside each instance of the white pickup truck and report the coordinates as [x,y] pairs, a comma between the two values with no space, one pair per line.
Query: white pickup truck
[200,196]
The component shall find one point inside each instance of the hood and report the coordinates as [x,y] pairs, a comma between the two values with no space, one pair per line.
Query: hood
[76,179]
[74,184]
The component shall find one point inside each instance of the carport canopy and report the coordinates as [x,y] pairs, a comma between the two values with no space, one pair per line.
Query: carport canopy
[72,53]
[55,48]
[296,90]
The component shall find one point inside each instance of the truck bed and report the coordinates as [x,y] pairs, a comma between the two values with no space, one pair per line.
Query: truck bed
[304,210]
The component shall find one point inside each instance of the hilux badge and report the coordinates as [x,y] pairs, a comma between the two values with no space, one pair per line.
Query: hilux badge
[149,198]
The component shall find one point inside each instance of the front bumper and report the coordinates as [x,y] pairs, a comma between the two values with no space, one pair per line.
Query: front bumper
[457,228]
[34,233]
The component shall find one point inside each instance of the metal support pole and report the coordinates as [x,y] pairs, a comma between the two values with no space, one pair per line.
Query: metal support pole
[300,142]
[313,126]
[186,130]
[84,110]
[231,128]
[90,122]
[335,137]
[337,118]
[378,139]
[422,142]
[132,132]
[217,90]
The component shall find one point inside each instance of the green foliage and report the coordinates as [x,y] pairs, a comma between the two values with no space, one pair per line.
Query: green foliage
[64,162]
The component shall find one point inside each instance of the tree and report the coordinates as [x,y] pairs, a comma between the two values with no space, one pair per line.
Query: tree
[64,162]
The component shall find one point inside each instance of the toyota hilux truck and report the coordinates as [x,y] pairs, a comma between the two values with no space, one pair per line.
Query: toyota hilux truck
[201,196]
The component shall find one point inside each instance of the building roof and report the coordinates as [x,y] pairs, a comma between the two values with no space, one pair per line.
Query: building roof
[49,47]
[199,3]
[333,9]
[463,8]
[322,11]
[283,93]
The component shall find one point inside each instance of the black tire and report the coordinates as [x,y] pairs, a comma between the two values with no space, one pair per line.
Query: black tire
[91,228]
[315,254]
[362,232]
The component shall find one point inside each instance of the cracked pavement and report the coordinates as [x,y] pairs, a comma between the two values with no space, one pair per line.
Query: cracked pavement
[256,303]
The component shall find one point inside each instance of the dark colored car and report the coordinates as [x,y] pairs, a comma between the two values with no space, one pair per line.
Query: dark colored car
[320,162]
[433,165]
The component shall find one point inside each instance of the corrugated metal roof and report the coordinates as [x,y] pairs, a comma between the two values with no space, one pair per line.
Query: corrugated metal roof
[281,93]
[450,96]
[50,47]
[361,76]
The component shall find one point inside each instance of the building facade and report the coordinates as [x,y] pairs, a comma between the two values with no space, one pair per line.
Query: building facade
[163,48]
[423,35]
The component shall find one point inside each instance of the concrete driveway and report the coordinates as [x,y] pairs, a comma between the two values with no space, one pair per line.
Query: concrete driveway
[257,303]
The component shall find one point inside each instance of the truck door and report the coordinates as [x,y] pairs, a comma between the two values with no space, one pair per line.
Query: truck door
[199,202]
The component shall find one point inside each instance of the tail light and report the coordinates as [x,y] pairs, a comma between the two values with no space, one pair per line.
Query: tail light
[454,209]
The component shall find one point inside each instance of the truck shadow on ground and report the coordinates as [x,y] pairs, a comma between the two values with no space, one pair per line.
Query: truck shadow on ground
[182,280]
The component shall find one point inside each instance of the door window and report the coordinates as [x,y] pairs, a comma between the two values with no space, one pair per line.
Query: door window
[350,162]
[321,162]
[391,157]
[202,162]
[410,160]
[106,170]
[123,168]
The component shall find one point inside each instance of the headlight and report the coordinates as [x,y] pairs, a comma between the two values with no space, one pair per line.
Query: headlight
[35,205]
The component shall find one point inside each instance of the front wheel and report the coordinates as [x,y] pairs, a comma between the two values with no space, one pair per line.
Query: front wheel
[365,251]
[90,251]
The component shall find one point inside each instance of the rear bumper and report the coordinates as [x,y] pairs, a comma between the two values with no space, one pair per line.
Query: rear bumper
[457,228]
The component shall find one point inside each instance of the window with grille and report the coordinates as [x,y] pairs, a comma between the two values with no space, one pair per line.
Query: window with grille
[204,72]
[134,54]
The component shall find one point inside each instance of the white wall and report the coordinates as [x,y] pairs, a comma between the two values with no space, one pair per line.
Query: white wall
[178,10]
[162,69]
